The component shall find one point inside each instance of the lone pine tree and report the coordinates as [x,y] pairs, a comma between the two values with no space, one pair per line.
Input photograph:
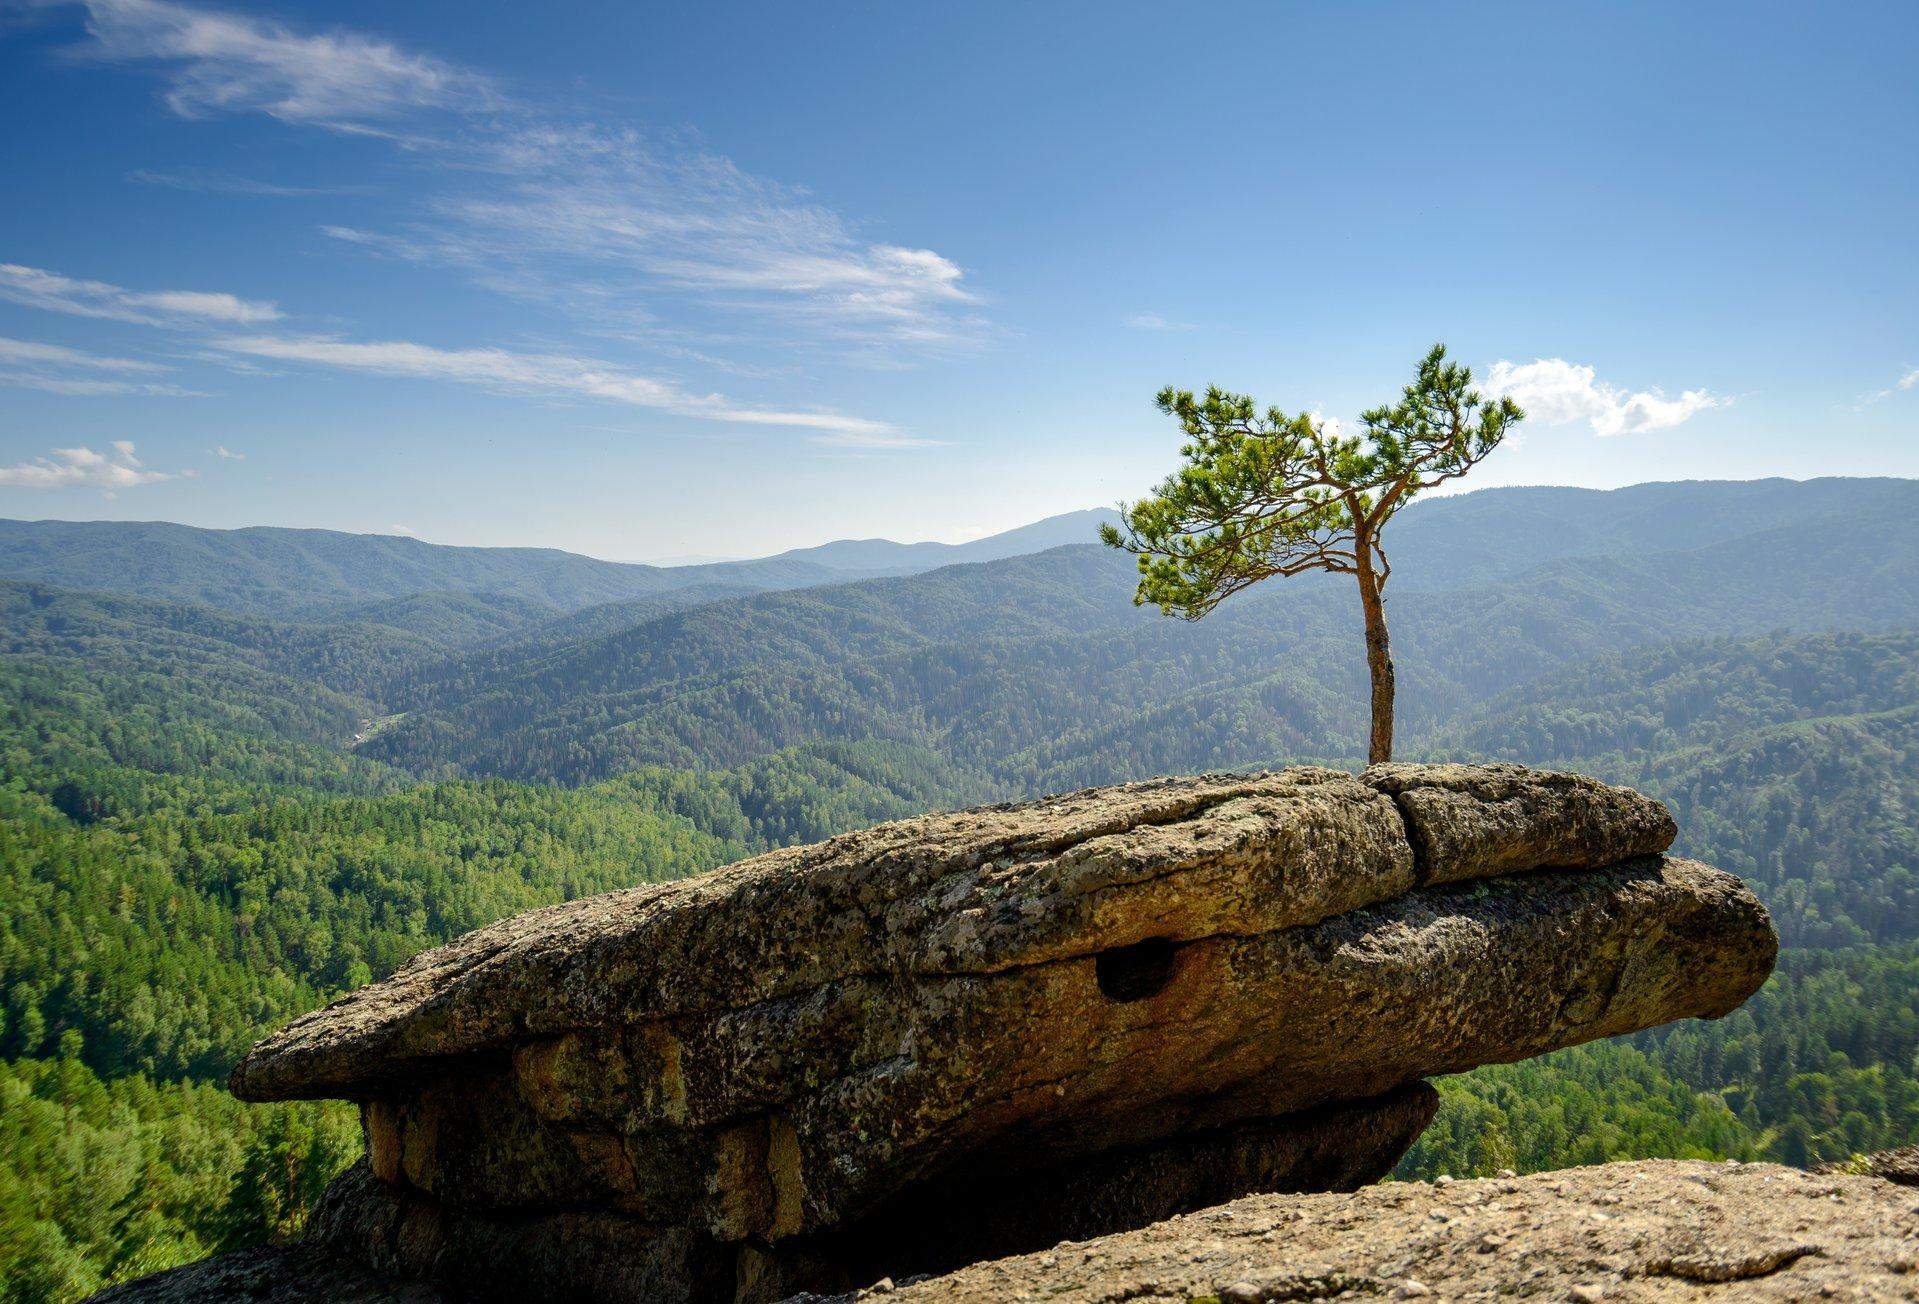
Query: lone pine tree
[1270,494]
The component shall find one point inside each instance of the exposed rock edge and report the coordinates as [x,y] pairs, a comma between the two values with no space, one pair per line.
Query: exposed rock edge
[1137,999]
[1651,1230]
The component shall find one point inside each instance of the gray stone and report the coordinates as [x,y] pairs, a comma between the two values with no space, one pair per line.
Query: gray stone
[1133,998]
[1480,821]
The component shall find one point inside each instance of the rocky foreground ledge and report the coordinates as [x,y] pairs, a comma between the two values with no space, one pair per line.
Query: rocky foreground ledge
[1654,1230]
[969,1035]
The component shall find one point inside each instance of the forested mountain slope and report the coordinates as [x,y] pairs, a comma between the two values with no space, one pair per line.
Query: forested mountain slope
[1792,761]
[451,593]
[281,572]
[192,850]
[1040,671]
[1501,532]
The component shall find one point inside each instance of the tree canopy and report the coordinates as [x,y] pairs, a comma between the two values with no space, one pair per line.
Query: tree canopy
[1266,494]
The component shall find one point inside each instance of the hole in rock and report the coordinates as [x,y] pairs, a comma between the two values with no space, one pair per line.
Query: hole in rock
[1133,973]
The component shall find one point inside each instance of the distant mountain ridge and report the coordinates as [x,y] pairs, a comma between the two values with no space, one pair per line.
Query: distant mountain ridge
[329,575]
[1039,671]
[876,556]
[466,594]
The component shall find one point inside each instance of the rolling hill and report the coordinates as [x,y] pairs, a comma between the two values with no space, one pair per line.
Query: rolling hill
[1040,672]
[456,593]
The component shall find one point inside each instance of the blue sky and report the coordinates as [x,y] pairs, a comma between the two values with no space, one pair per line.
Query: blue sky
[642,280]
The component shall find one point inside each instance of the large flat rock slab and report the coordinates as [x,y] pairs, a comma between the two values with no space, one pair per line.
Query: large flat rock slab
[1654,1230]
[1172,986]
[985,890]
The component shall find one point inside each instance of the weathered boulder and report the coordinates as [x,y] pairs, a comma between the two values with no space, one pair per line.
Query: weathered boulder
[741,1080]
[1652,1230]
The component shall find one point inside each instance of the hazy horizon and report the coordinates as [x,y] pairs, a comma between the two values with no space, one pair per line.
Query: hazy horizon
[679,560]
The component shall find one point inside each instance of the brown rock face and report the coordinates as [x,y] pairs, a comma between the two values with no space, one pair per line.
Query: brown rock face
[1106,1006]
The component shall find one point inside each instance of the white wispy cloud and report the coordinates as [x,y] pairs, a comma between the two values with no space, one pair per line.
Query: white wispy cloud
[227,454]
[33,352]
[1554,391]
[597,219]
[223,62]
[613,226]
[223,183]
[1152,321]
[551,374]
[84,387]
[83,468]
[1908,381]
[648,238]
[35,287]
[56,369]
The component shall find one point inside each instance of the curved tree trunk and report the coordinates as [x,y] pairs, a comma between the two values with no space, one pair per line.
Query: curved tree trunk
[1379,661]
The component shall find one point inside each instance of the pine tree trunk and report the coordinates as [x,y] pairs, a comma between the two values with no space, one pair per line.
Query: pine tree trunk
[1379,661]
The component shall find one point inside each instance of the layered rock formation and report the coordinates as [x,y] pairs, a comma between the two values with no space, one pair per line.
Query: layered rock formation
[969,1034]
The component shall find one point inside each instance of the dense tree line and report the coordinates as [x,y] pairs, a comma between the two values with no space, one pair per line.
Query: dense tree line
[106,1179]
[1821,1065]
[1779,757]
[1041,673]
[172,938]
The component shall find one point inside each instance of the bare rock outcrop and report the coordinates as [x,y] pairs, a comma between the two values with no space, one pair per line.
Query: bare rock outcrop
[1652,1230]
[1105,1007]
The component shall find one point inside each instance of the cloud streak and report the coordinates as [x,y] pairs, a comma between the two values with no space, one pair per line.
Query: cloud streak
[1908,381]
[1152,321]
[221,183]
[548,374]
[217,62]
[602,221]
[83,468]
[35,287]
[56,369]
[644,237]
[1557,392]
[612,225]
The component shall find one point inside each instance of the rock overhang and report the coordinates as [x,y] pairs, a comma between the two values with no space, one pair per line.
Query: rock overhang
[1162,862]
[769,1058]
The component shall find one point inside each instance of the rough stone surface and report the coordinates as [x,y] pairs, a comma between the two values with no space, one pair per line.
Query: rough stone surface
[936,1228]
[971,892]
[1137,997]
[407,1233]
[1654,1230]
[1481,821]
[297,1274]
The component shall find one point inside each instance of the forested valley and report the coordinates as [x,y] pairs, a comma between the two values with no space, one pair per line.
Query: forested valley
[238,780]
